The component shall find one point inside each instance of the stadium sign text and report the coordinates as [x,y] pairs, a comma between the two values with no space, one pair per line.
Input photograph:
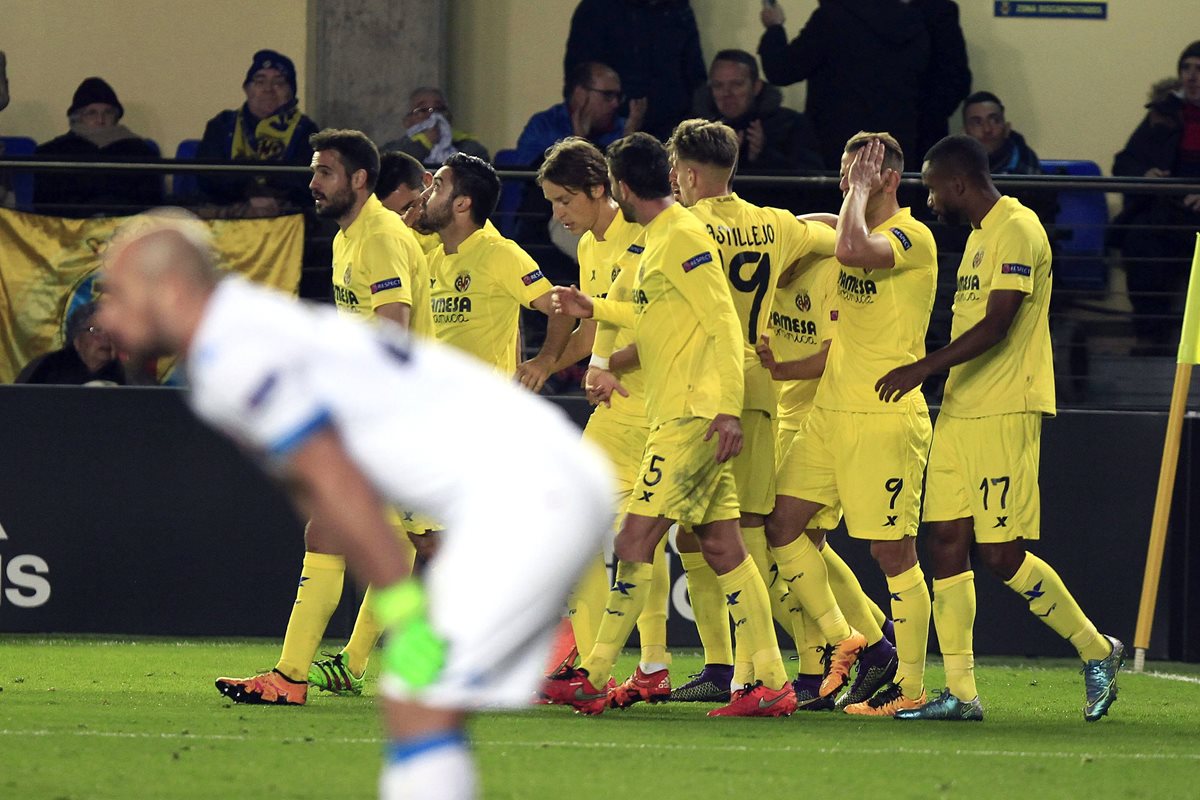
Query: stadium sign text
[22,578]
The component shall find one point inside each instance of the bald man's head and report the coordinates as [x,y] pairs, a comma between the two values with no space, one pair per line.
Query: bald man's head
[159,270]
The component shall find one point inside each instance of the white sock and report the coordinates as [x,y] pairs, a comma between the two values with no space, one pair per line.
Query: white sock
[434,767]
[649,667]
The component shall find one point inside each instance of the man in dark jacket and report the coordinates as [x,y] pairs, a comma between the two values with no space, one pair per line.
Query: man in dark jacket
[88,355]
[865,62]
[1008,153]
[654,45]
[267,128]
[96,135]
[947,78]
[1157,246]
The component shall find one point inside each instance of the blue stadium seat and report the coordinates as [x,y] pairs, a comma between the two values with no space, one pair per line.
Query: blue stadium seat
[511,191]
[22,182]
[183,185]
[1080,227]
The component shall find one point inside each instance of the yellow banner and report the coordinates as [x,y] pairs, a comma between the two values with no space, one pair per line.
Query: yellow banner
[48,267]
[1189,337]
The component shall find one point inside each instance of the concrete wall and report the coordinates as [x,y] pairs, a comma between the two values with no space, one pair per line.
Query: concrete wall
[173,64]
[1075,88]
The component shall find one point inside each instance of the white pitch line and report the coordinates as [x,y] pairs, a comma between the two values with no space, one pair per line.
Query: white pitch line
[657,746]
[1171,676]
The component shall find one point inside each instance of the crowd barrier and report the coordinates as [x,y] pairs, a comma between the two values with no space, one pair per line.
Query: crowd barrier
[120,514]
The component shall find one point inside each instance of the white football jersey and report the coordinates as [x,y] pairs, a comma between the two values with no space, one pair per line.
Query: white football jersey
[430,428]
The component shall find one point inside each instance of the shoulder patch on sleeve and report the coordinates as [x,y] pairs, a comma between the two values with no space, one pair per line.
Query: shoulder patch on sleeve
[384,285]
[1016,269]
[636,249]
[696,261]
[833,315]
[532,277]
[905,242]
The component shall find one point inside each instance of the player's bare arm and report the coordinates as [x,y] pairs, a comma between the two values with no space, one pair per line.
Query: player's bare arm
[1002,308]
[803,369]
[856,245]
[399,313]
[334,489]
[578,345]
[823,217]
[532,374]
[625,359]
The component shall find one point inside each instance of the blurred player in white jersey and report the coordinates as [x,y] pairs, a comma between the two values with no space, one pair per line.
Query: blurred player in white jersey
[353,416]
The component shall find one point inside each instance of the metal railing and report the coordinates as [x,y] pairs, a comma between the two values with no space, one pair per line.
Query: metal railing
[1114,346]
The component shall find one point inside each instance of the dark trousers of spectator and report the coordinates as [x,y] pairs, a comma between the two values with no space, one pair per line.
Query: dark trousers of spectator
[1157,254]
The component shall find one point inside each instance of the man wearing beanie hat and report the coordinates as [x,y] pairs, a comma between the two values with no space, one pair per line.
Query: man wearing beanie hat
[96,134]
[1157,247]
[268,127]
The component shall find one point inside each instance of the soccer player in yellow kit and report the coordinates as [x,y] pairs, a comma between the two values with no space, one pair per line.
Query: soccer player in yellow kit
[480,279]
[574,179]
[854,449]
[689,345]
[983,469]
[754,245]
[379,271]
[803,323]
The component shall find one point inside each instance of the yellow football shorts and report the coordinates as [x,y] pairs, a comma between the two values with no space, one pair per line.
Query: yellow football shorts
[987,469]
[623,441]
[828,517]
[680,479]
[873,464]
[405,522]
[754,467]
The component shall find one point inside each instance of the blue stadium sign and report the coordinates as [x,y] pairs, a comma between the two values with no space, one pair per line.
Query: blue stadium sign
[1013,8]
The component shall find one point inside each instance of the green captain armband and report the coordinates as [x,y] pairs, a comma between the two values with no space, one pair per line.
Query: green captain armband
[414,653]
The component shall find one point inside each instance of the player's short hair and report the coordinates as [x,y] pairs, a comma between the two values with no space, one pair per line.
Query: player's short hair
[476,179]
[355,150]
[960,155]
[738,57]
[981,97]
[576,164]
[640,162]
[705,142]
[398,169]
[582,74]
[893,153]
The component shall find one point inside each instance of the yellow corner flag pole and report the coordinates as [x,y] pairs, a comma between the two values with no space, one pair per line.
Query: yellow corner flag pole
[1189,354]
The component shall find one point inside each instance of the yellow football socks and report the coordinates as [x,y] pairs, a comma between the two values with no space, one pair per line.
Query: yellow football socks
[756,545]
[708,607]
[652,623]
[859,609]
[316,600]
[626,600]
[954,618]
[805,576]
[363,638]
[1049,600]
[910,615]
[585,608]
[750,608]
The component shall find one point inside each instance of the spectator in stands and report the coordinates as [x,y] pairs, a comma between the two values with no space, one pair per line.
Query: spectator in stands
[591,97]
[6,198]
[3,80]
[96,134]
[1162,233]
[865,62]
[402,180]
[984,120]
[654,45]
[268,128]
[947,79]
[429,134]
[773,138]
[87,357]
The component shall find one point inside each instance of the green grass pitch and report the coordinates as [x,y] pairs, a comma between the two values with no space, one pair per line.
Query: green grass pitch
[84,718]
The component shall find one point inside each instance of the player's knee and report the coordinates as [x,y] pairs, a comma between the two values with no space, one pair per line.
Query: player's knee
[895,557]
[817,537]
[1004,559]
[779,530]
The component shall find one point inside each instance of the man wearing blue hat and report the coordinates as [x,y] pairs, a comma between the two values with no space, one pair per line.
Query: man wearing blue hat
[268,127]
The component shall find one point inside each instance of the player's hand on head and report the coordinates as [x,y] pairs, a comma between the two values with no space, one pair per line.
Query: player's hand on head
[532,374]
[900,381]
[600,384]
[728,430]
[866,169]
[571,302]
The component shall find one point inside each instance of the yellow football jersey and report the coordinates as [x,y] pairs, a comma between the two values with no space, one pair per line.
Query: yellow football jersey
[607,269]
[1008,251]
[477,293]
[428,241]
[374,261]
[684,323]
[803,318]
[882,318]
[755,246]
